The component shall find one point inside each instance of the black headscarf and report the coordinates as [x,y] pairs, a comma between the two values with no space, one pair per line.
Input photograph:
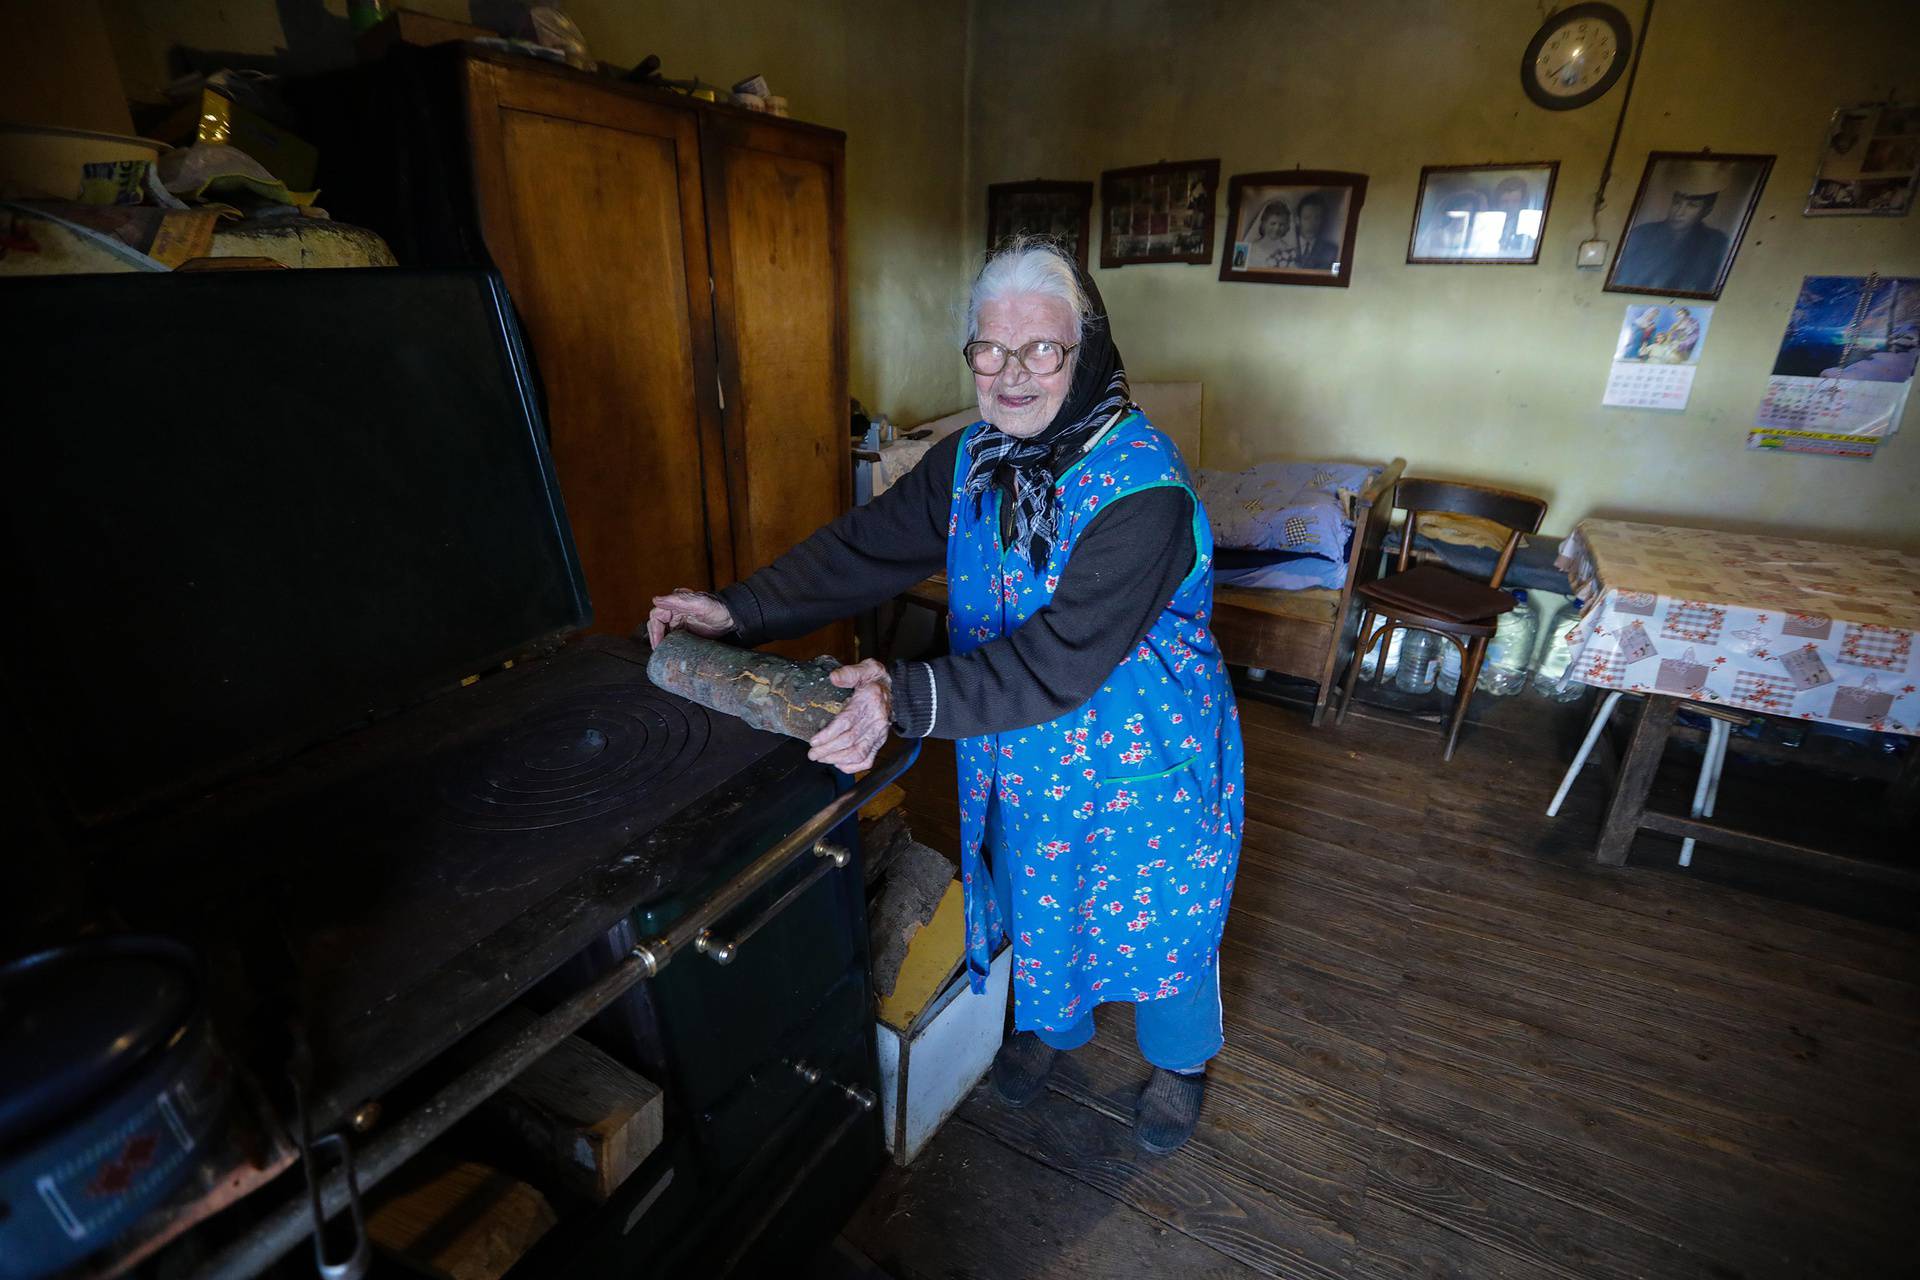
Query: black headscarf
[1097,393]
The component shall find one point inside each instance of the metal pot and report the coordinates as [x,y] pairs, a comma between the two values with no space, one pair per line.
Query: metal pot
[110,1086]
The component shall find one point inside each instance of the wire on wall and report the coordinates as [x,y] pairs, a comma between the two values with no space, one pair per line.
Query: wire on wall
[1626,99]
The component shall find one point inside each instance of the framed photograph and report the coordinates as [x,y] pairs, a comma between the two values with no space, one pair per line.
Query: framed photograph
[1059,210]
[1685,226]
[1870,164]
[1293,227]
[1158,213]
[1484,213]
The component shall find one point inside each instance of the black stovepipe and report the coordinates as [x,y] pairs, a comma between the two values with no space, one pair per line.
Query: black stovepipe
[292,1221]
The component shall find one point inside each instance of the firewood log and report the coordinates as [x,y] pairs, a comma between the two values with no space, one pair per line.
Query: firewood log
[767,691]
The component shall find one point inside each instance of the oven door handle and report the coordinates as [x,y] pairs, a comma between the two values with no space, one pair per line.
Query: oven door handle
[832,858]
[695,929]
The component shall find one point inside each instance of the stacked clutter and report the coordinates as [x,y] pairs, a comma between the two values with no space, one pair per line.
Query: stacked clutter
[755,94]
[219,181]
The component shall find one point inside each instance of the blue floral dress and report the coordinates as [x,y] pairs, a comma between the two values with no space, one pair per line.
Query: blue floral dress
[1118,822]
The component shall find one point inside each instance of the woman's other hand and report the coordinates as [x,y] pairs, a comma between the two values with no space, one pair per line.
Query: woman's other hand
[853,738]
[700,612]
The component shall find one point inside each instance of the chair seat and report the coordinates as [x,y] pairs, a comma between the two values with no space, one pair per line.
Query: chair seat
[1438,593]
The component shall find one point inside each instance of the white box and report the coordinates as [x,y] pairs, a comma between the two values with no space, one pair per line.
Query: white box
[925,1072]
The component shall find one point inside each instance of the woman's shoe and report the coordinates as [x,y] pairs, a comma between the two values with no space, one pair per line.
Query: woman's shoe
[1021,1068]
[1168,1110]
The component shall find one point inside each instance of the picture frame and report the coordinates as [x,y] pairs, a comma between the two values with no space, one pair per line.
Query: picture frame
[1686,223]
[1268,237]
[1158,213]
[1061,211]
[1482,214]
[1869,163]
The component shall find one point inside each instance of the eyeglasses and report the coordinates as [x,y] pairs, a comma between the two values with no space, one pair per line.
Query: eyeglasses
[1040,357]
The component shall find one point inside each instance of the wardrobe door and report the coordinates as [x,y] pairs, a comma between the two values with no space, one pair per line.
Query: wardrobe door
[776,216]
[590,202]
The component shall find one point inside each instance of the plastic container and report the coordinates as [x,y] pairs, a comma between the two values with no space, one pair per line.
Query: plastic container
[1419,662]
[1371,661]
[1447,679]
[1510,652]
[1550,678]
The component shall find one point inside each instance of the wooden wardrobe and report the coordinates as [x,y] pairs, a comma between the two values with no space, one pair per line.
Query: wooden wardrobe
[680,270]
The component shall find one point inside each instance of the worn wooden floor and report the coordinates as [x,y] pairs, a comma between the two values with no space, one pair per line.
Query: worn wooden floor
[1456,1047]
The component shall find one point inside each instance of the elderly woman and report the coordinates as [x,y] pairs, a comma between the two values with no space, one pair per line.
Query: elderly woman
[1097,737]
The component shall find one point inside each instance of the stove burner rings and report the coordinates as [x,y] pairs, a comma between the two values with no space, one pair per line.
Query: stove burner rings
[578,757]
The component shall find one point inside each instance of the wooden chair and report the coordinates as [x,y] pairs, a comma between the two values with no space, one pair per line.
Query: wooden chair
[1427,597]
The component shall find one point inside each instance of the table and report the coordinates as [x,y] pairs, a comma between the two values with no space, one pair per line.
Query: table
[1786,627]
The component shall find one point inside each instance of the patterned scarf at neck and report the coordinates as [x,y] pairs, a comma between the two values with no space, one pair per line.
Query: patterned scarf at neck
[1036,508]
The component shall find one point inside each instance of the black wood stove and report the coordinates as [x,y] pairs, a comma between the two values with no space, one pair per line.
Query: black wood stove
[294,679]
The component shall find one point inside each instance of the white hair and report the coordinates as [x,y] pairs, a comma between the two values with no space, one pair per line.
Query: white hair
[1027,266]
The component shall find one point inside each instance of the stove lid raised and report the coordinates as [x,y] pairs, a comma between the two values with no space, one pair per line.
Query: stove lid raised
[246,510]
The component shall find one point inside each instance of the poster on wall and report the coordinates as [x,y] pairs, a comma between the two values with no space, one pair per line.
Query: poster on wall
[1656,357]
[1845,366]
[1870,164]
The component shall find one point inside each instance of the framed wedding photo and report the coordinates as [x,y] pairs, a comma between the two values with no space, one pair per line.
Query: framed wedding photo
[1061,211]
[1481,213]
[1295,226]
[1158,213]
[1686,223]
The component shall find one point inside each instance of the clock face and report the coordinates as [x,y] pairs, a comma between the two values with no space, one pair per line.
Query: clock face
[1576,57]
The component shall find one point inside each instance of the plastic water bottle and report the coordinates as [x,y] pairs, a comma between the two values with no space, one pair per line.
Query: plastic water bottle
[1371,662]
[1550,679]
[1510,651]
[1448,679]
[1419,663]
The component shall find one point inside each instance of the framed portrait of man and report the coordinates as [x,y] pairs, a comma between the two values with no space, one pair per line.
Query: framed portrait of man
[1060,211]
[1481,213]
[1296,226]
[1686,223]
[1158,213]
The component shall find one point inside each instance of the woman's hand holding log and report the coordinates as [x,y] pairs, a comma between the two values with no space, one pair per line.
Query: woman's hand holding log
[700,612]
[850,742]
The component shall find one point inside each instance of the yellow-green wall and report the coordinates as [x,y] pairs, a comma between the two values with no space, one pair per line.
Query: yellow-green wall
[888,72]
[1491,373]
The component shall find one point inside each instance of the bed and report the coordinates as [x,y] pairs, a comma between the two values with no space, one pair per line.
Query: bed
[1306,633]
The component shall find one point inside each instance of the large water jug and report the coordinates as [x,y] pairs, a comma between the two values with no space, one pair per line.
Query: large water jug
[1447,679]
[1419,662]
[1371,661]
[1551,679]
[1510,652]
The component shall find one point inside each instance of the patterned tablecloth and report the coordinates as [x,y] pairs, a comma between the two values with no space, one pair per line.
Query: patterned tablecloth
[1804,629]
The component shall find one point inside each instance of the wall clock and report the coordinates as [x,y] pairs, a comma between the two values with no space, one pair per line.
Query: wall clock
[1576,56]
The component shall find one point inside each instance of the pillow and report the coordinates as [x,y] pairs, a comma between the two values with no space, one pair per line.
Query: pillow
[1291,506]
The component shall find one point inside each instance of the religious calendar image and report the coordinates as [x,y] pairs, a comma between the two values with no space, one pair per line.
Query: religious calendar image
[1656,356]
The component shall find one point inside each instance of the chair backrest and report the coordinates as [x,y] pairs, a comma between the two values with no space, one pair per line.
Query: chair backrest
[1518,513]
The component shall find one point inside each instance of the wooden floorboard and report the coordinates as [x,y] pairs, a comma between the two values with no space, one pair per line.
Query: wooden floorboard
[1457,1046]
